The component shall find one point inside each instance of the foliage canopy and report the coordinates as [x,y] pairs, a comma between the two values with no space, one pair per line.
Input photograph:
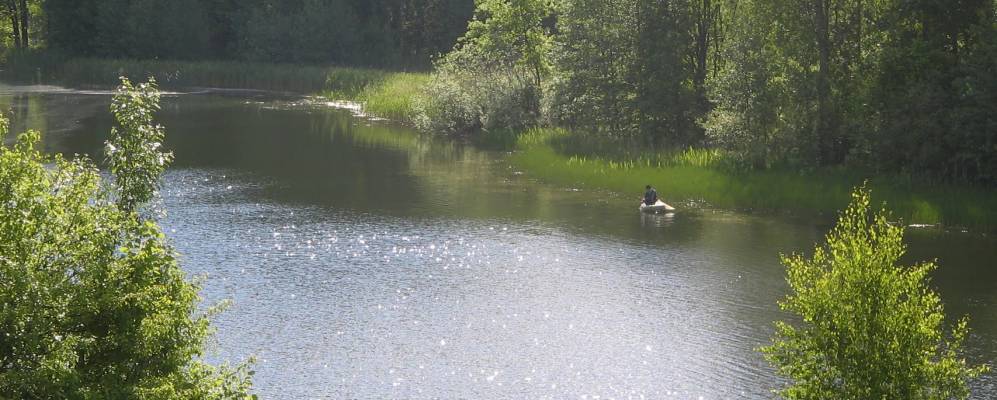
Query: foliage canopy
[93,303]
[383,33]
[869,329]
[894,86]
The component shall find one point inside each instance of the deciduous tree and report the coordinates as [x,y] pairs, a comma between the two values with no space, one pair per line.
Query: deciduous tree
[93,303]
[869,328]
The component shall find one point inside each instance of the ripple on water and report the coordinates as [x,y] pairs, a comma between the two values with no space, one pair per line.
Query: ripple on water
[451,302]
[341,303]
[349,304]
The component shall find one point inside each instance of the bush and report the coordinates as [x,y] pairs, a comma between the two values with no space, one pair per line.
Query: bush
[870,329]
[93,303]
[456,102]
[493,78]
[134,152]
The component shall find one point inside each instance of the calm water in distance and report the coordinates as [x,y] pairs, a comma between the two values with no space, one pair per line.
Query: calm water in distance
[366,261]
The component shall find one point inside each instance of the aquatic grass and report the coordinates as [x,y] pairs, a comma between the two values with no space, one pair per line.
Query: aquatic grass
[384,93]
[393,96]
[29,65]
[222,74]
[50,67]
[624,151]
[696,176]
[352,82]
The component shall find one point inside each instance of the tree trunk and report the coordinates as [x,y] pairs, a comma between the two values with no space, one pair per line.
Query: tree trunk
[24,23]
[704,25]
[825,142]
[14,23]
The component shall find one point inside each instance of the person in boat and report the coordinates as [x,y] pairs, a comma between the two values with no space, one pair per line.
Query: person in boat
[650,196]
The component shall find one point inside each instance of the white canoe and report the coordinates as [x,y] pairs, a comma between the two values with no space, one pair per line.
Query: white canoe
[658,207]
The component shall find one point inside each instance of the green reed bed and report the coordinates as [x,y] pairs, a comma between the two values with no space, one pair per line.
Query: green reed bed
[175,74]
[698,176]
[388,92]
[394,96]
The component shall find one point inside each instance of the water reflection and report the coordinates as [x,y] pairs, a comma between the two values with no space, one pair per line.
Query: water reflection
[662,220]
[367,261]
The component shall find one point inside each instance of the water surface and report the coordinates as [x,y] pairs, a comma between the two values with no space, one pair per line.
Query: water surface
[366,261]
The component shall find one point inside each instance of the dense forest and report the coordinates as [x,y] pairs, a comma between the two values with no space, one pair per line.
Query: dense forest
[382,33]
[886,86]
[904,86]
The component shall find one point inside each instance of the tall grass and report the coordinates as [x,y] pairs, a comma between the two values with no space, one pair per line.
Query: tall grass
[385,93]
[696,176]
[394,96]
[50,67]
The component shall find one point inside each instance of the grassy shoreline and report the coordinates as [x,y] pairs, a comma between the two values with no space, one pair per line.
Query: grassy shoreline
[387,94]
[697,177]
[691,177]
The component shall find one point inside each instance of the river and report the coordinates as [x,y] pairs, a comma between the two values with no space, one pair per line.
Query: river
[366,261]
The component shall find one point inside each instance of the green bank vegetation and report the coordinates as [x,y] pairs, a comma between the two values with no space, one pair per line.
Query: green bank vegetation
[778,107]
[697,176]
[761,104]
[56,68]
[387,94]
[347,49]
[867,327]
[394,97]
[93,301]
[889,86]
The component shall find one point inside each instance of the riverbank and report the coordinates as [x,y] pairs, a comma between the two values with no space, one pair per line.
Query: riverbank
[697,178]
[387,94]
[692,178]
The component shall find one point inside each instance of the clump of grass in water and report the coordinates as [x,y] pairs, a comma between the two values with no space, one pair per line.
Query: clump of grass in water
[394,96]
[706,175]
[352,82]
